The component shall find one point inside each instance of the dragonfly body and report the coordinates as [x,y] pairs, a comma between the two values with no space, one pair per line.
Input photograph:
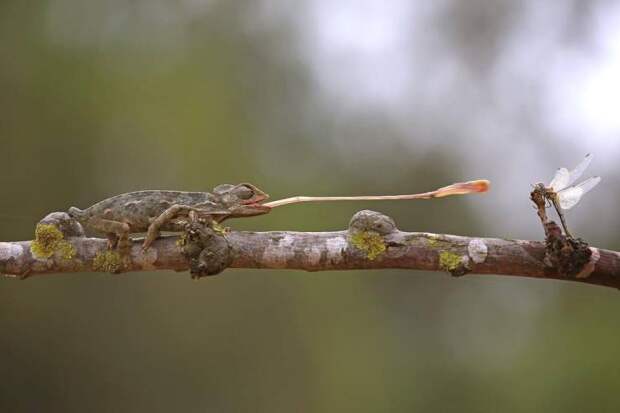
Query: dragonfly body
[553,198]
[562,192]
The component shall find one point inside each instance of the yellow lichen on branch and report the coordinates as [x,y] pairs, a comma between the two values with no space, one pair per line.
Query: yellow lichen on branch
[108,261]
[370,242]
[449,261]
[50,240]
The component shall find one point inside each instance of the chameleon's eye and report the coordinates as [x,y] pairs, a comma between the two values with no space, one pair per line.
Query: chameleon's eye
[244,192]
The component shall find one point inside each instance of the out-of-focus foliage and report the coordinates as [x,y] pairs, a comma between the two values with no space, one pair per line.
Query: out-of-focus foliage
[315,98]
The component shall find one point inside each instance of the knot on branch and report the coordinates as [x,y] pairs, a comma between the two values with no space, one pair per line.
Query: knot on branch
[206,248]
[51,234]
[568,255]
[367,220]
[65,224]
[367,230]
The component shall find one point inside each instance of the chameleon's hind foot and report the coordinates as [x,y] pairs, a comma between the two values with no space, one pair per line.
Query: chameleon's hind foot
[114,230]
[112,241]
[121,244]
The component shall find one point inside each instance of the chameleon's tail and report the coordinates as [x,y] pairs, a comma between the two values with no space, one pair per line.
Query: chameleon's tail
[75,212]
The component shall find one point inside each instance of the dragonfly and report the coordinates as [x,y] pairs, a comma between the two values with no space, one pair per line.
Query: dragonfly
[563,193]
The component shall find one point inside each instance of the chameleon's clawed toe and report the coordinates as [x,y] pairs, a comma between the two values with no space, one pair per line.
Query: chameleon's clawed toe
[151,236]
[112,241]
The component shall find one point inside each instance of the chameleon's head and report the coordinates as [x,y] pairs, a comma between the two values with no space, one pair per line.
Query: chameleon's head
[243,200]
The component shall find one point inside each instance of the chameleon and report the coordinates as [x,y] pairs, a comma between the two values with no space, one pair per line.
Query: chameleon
[152,211]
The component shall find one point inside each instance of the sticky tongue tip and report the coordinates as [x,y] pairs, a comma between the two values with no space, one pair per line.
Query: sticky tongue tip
[480,185]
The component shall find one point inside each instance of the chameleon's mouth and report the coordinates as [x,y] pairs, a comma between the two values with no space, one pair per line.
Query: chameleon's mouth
[258,206]
[256,201]
[248,209]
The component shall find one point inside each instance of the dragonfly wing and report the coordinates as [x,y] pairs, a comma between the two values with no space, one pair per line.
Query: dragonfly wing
[579,169]
[560,180]
[569,197]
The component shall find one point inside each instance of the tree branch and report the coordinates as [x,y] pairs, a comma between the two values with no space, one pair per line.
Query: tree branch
[372,241]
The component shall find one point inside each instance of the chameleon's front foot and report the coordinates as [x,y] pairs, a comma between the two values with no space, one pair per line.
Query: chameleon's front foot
[156,224]
[152,233]
[150,237]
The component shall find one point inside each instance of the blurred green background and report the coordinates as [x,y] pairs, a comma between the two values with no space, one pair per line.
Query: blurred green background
[310,98]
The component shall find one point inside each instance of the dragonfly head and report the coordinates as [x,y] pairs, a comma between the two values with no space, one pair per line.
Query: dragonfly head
[538,194]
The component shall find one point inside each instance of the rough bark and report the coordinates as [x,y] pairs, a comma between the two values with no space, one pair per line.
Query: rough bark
[372,241]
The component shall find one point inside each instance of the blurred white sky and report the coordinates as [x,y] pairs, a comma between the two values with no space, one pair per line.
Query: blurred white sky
[369,54]
[584,89]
